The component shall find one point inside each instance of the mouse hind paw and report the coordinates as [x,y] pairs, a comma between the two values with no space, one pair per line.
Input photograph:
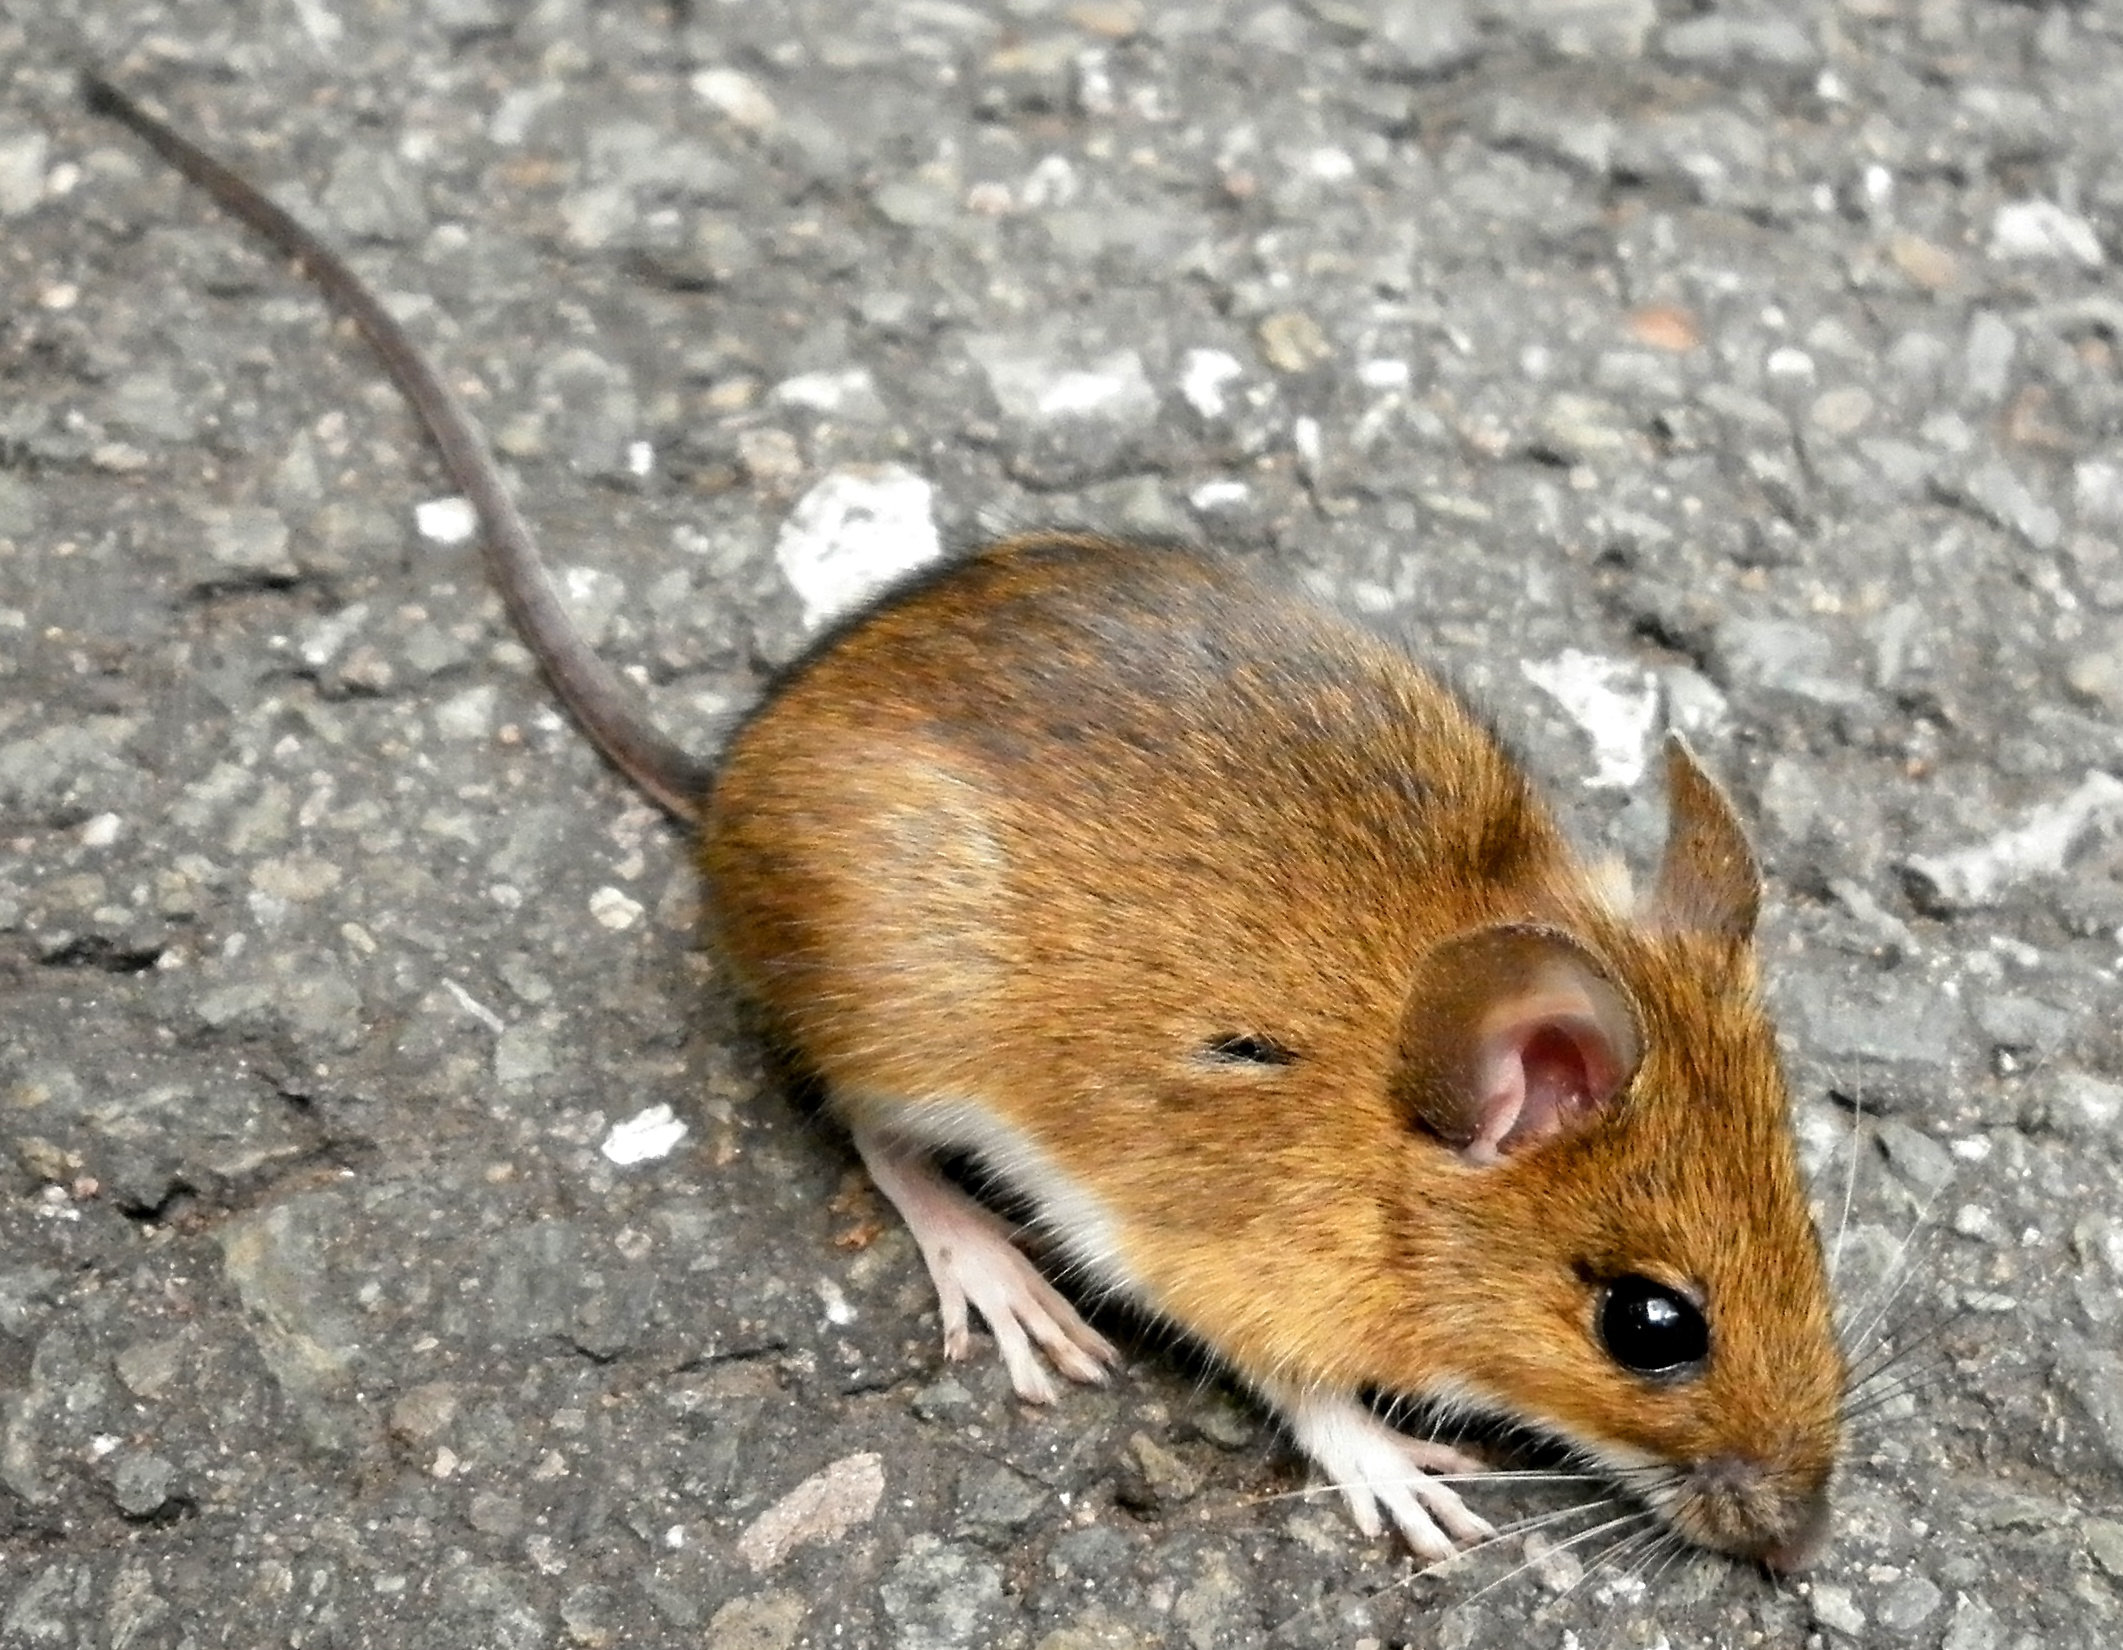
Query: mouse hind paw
[974,1264]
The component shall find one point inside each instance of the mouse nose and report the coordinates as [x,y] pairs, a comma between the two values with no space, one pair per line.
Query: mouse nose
[1805,1544]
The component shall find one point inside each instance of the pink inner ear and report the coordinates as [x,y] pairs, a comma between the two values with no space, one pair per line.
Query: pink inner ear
[1540,1078]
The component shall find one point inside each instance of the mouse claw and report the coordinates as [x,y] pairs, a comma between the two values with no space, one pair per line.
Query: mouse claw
[973,1263]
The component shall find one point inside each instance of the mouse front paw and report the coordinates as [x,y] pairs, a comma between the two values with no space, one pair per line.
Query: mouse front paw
[973,1263]
[1383,1473]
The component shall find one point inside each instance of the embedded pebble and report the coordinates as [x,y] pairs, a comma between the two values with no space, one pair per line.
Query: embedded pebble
[821,1509]
[852,534]
[1614,701]
[647,1135]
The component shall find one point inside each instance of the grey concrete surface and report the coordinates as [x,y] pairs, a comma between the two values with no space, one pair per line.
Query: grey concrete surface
[1749,367]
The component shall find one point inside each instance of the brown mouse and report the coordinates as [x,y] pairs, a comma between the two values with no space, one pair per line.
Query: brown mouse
[1239,947]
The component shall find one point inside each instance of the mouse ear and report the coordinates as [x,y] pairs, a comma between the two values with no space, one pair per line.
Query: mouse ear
[1708,880]
[1511,1035]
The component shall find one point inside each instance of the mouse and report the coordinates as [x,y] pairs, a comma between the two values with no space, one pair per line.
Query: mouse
[1241,949]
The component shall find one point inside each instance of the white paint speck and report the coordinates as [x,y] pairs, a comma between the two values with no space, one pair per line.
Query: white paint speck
[736,96]
[641,458]
[645,1136]
[1331,165]
[1219,495]
[1203,378]
[838,1311]
[474,1007]
[1614,701]
[2038,846]
[101,831]
[2043,229]
[1789,363]
[446,520]
[1383,373]
[1053,182]
[851,391]
[853,534]
[1033,384]
[614,909]
[675,1537]
[1112,385]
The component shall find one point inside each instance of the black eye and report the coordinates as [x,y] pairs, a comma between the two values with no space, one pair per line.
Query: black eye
[1650,1329]
[1249,1049]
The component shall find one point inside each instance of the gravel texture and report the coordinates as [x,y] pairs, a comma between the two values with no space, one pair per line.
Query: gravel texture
[1754,363]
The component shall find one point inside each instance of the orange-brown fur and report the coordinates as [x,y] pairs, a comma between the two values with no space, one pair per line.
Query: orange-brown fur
[1036,834]
[1033,835]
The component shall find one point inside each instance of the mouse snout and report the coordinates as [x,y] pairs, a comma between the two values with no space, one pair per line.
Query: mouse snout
[1798,1550]
[1774,1515]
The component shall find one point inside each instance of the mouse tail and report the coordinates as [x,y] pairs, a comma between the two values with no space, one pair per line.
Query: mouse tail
[606,708]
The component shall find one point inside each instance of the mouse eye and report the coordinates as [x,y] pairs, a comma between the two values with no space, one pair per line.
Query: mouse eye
[1650,1329]
[1246,1048]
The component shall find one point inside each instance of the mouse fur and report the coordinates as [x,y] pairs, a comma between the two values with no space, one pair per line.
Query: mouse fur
[1243,950]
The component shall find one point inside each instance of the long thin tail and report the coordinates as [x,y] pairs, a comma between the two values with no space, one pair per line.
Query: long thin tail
[607,709]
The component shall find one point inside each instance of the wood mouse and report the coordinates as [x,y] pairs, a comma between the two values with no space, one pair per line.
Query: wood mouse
[1240,948]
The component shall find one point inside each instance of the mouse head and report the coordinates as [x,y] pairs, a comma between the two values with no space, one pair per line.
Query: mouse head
[1621,1243]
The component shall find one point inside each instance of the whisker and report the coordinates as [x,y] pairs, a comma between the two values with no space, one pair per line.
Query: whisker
[1850,1185]
[1895,1275]
[1628,1518]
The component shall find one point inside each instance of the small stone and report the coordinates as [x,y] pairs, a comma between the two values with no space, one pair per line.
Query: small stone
[2002,496]
[496,1514]
[1987,358]
[374,198]
[2097,492]
[148,1367]
[1782,655]
[2085,1107]
[250,539]
[944,1402]
[593,1616]
[765,1621]
[523,1053]
[1667,327]
[1836,1610]
[1841,412]
[1582,28]
[1419,38]
[1929,266]
[445,520]
[2094,1379]
[1974,1626]
[1291,341]
[822,1509]
[2104,1540]
[737,97]
[1166,1477]
[1907,1604]
[853,534]
[614,909]
[942,1597]
[1915,1156]
[1717,41]
[422,1413]
[23,156]
[468,717]
[1580,429]
[916,201]
[2039,229]
[996,1500]
[2097,678]
[2020,1023]
[142,1484]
